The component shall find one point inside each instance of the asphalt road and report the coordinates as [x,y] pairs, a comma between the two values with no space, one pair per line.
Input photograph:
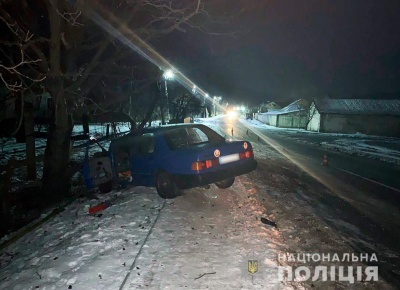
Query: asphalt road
[359,196]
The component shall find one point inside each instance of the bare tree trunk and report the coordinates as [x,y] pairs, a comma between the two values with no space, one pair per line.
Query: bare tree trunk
[56,183]
[30,141]
[149,112]
[55,180]
[85,123]
[162,113]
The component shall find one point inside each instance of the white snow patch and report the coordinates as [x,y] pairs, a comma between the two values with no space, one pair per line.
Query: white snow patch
[362,148]
[213,231]
[377,147]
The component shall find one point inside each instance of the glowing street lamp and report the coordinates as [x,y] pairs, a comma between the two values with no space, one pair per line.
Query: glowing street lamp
[168,75]
[206,96]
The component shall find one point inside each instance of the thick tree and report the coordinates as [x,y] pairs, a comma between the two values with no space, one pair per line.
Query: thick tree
[58,46]
[185,105]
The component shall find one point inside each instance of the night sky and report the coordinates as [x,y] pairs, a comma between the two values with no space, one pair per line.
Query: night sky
[290,49]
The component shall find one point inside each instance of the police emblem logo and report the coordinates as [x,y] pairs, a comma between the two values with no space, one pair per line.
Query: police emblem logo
[252,266]
[217,153]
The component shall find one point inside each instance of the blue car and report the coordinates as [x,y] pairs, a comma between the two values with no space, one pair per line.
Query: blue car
[179,157]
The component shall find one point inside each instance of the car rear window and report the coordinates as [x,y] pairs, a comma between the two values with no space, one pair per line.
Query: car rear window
[191,136]
[142,144]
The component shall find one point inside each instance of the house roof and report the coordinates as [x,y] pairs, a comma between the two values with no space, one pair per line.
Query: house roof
[296,106]
[358,106]
[273,105]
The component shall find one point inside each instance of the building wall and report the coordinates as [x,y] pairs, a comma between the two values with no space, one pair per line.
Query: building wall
[314,123]
[367,124]
[267,119]
[262,118]
[289,120]
[293,120]
[272,120]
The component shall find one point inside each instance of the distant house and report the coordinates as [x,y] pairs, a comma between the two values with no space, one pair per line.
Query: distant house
[270,106]
[373,117]
[292,116]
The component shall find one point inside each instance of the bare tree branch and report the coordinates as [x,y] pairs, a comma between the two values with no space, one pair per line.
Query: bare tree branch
[71,17]
[16,70]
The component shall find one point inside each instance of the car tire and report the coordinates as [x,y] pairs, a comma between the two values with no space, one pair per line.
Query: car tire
[225,183]
[166,186]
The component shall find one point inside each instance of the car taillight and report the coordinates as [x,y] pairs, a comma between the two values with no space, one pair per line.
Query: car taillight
[200,165]
[246,154]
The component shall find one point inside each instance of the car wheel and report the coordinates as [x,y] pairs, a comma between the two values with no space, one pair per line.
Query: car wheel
[166,187]
[225,183]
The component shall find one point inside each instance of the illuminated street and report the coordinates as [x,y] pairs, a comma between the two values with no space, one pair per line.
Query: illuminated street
[205,238]
[194,144]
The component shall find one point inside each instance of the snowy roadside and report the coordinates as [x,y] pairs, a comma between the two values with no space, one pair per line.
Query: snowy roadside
[203,238]
[290,197]
[211,232]
[366,147]
[208,244]
[81,250]
[375,147]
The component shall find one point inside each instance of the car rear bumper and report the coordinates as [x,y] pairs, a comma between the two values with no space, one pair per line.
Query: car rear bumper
[184,181]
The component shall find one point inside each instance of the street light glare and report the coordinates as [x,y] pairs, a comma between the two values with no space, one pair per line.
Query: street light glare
[134,42]
[168,74]
[231,114]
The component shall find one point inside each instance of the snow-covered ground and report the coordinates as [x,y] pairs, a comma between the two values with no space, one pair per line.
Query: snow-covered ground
[367,147]
[9,147]
[140,241]
[201,240]
[143,242]
[377,147]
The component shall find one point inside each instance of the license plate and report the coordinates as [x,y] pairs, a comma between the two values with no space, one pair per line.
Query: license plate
[229,158]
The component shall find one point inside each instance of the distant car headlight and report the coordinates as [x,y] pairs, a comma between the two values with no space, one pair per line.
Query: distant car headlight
[231,114]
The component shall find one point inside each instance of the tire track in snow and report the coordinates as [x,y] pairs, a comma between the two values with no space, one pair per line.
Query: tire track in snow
[141,247]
